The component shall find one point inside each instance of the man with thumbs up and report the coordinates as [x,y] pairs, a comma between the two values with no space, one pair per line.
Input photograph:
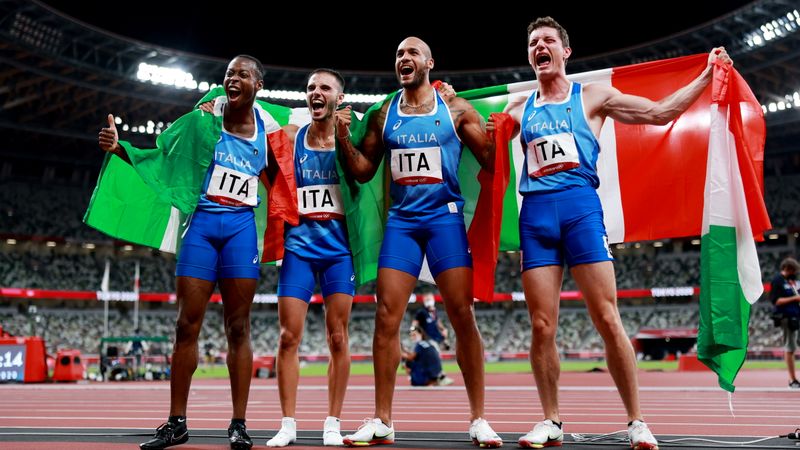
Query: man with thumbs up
[220,246]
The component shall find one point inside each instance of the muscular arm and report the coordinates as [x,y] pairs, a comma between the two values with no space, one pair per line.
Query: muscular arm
[472,130]
[361,162]
[633,109]
[514,109]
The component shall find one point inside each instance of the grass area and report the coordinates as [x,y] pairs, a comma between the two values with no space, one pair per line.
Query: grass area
[365,368]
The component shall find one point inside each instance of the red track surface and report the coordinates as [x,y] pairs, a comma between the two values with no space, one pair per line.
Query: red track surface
[679,403]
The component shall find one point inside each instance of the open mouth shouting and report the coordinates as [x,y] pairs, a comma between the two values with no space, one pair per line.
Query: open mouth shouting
[317,106]
[406,71]
[234,93]
[543,61]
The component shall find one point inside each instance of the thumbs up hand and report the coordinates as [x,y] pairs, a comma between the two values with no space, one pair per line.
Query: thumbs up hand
[109,137]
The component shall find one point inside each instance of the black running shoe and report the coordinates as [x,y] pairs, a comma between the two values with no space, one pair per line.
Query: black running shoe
[794,384]
[167,435]
[237,435]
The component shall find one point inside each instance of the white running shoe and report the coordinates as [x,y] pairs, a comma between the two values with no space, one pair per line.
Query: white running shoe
[544,434]
[483,435]
[640,436]
[332,432]
[286,435]
[444,381]
[371,432]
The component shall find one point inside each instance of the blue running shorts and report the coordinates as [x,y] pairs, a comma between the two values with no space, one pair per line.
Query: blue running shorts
[564,226]
[443,241]
[297,278]
[219,245]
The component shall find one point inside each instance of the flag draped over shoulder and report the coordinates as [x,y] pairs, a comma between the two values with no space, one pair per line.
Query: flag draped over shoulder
[148,201]
[700,174]
[733,213]
[367,204]
[652,178]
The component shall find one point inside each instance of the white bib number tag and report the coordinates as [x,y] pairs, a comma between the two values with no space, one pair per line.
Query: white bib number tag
[417,165]
[552,154]
[320,202]
[232,188]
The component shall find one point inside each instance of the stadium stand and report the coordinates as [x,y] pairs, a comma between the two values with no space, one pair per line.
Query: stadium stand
[58,76]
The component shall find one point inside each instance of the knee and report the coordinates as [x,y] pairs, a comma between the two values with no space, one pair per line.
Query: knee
[337,341]
[186,331]
[289,340]
[608,323]
[387,318]
[544,329]
[237,331]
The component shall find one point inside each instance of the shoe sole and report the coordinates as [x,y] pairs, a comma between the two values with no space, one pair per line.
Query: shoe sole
[488,444]
[644,446]
[526,444]
[180,441]
[381,441]
[241,446]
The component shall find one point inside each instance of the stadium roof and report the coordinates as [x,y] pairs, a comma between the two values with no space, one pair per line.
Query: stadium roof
[59,76]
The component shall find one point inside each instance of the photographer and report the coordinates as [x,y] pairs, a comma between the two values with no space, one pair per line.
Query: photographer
[427,318]
[423,364]
[786,315]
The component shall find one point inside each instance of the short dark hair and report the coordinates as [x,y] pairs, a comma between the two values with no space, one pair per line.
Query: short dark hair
[335,74]
[548,21]
[259,66]
[790,263]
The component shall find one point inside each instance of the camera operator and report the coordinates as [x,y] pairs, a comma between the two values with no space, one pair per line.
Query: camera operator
[786,314]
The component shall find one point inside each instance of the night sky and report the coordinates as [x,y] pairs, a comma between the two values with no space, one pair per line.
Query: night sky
[482,38]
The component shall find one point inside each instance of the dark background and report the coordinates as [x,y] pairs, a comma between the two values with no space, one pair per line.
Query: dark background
[299,35]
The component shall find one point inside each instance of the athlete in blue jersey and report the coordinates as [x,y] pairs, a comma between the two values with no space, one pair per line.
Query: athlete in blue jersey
[219,248]
[420,135]
[316,249]
[561,219]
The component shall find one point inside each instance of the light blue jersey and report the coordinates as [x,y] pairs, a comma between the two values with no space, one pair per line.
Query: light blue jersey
[231,183]
[560,149]
[322,233]
[423,152]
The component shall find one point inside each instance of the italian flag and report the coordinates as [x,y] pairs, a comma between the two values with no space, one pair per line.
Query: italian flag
[733,217]
[701,174]
[149,201]
[652,178]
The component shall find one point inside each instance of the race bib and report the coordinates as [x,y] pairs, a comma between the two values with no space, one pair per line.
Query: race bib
[232,188]
[552,154]
[417,165]
[320,202]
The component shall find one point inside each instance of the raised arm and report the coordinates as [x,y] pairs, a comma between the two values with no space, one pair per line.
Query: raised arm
[607,101]
[361,162]
[514,109]
[108,139]
[472,130]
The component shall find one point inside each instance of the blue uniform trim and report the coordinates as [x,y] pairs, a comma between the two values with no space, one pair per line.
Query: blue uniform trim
[316,239]
[435,129]
[567,117]
[248,156]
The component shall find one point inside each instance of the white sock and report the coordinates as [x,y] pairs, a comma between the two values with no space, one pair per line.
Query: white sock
[332,424]
[289,424]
